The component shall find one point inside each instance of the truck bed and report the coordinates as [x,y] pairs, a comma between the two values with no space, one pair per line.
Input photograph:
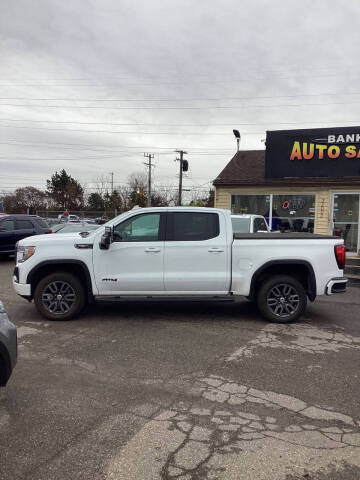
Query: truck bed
[283,236]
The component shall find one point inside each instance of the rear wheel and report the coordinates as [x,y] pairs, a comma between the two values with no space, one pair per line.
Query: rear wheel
[281,299]
[59,296]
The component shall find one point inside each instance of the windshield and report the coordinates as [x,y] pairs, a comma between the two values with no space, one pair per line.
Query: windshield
[240,225]
[111,223]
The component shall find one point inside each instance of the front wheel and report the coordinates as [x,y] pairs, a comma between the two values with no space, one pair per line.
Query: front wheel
[281,299]
[59,296]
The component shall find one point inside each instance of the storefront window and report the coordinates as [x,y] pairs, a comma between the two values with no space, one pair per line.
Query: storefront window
[287,213]
[293,213]
[250,204]
[346,219]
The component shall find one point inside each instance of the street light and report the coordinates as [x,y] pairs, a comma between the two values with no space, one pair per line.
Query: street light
[237,136]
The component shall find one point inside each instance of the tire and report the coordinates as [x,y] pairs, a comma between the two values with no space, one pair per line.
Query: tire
[48,290]
[281,299]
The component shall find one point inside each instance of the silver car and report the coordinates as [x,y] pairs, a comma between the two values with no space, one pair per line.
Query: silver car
[8,346]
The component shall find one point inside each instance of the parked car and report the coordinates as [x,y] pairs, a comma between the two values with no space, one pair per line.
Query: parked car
[249,224]
[101,220]
[68,218]
[74,227]
[51,221]
[88,220]
[181,252]
[8,346]
[16,227]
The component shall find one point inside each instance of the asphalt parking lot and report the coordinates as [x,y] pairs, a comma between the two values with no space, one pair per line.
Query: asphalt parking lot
[151,391]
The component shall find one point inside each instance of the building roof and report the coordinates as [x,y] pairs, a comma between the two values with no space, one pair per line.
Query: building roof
[247,168]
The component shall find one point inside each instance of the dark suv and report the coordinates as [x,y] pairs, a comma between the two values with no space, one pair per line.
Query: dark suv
[15,227]
[8,346]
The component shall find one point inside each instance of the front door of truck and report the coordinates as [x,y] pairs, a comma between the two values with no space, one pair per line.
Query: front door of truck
[134,262]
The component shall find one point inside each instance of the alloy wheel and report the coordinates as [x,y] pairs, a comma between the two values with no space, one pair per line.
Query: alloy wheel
[58,297]
[283,300]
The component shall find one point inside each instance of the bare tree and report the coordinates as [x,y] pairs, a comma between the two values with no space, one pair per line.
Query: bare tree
[102,184]
[137,181]
[24,199]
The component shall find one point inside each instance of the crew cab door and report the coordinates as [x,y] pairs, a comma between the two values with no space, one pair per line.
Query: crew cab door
[196,253]
[134,262]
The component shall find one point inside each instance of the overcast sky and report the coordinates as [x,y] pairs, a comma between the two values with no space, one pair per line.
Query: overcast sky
[92,85]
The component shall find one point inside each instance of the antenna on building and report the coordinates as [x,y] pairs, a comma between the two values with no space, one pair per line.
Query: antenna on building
[238,137]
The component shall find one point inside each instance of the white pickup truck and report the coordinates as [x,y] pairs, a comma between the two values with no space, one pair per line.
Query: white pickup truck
[178,252]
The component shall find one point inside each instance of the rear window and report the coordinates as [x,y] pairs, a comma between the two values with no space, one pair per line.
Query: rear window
[42,223]
[260,224]
[24,225]
[241,225]
[192,226]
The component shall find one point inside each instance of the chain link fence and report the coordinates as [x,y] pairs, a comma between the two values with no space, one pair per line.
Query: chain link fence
[54,216]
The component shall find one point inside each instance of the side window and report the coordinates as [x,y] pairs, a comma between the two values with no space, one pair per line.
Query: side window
[259,224]
[193,226]
[241,225]
[142,228]
[7,226]
[23,225]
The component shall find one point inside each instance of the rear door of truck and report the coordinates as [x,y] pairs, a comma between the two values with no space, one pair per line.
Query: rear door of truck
[197,253]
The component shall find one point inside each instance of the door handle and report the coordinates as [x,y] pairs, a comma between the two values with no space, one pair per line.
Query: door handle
[152,250]
[215,250]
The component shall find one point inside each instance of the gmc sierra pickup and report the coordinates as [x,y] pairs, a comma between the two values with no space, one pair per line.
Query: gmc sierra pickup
[178,252]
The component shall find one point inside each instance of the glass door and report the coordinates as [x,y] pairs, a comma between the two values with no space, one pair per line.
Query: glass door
[346,219]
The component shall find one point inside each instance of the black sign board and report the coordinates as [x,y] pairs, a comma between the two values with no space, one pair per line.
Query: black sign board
[316,152]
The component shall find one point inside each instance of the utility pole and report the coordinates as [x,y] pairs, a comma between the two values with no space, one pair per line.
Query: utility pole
[112,182]
[181,160]
[150,156]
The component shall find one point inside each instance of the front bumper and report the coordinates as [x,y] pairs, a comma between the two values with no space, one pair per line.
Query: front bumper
[22,289]
[336,285]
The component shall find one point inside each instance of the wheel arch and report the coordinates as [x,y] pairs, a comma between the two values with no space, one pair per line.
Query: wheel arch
[75,267]
[302,270]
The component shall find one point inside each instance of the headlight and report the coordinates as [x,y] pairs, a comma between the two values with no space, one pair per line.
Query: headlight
[24,253]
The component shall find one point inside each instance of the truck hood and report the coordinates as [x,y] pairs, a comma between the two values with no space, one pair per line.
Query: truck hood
[56,239]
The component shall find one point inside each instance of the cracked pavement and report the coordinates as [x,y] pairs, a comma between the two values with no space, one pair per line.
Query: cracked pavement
[209,440]
[190,391]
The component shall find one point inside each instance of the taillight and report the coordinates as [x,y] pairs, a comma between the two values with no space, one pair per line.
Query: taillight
[340,254]
[50,231]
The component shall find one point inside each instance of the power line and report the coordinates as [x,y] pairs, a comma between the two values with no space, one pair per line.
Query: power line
[97,76]
[138,132]
[191,79]
[99,157]
[15,142]
[100,77]
[235,122]
[158,188]
[214,107]
[197,99]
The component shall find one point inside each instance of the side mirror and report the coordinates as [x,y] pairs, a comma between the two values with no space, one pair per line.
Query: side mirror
[106,239]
